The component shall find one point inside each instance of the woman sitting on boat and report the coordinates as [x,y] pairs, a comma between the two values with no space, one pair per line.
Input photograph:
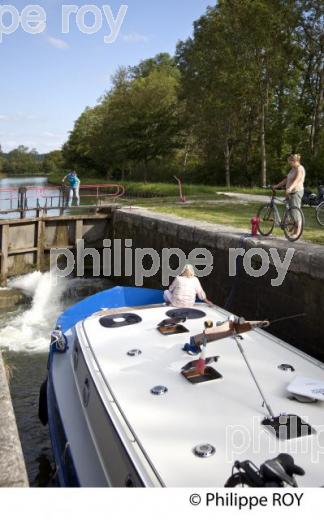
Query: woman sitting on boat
[185,289]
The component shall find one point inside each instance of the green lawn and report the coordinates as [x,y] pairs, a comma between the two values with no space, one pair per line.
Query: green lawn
[162,189]
[236,215]
[163,197]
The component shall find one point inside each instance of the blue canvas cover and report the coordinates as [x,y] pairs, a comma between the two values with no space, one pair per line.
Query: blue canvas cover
[112,299]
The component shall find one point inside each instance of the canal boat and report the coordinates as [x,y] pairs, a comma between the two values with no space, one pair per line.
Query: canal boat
[141,394]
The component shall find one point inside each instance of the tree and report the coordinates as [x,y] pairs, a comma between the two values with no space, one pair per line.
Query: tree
[161,62]
[82,147]
[2,160]
[53,162]
[135,122]
[239,52]
[239,96]
[311,39]
[210,88]
[21,161]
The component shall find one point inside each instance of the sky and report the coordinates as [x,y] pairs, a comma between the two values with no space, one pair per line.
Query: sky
[47,79]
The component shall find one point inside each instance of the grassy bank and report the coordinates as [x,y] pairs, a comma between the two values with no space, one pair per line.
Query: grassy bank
[208,203]
[237,215]
[162,189]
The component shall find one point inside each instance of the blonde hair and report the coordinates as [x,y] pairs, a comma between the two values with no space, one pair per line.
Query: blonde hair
[294,157]
[188,271]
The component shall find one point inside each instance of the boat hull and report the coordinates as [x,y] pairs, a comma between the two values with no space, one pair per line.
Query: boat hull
[121,414]
[87,447]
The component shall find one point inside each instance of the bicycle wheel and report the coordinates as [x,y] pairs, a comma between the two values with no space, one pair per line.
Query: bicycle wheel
[266,218]
[293,224]
[320,214]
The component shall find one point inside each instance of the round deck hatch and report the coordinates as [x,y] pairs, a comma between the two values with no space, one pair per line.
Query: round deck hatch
[204,451]
[189,314]
[119,320]
[159,390]
[303,398]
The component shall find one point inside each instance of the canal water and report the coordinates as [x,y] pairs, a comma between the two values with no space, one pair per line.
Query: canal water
[25,333]
[36,194]
[24,341]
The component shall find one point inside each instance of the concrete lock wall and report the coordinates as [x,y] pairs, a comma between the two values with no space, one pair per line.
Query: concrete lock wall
[302,290]
[12,467]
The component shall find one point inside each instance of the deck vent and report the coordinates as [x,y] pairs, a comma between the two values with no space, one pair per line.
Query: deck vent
[203,451]
[286,368]
[192,364]
[134,353]
[159,390]
[119,320]
[195,378]
[172,330]
[189,314]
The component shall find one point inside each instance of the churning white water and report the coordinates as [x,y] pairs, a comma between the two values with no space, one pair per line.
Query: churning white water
[30,329]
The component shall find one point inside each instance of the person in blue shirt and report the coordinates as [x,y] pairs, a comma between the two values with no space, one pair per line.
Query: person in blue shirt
[74,187]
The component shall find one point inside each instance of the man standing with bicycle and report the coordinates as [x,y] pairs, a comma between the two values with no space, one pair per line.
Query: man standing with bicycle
[294,186]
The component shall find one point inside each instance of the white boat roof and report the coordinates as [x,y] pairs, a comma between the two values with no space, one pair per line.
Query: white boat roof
[225,413]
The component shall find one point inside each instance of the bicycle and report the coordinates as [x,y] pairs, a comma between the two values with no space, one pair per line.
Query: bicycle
[320,214]
[277,472]
[293,219]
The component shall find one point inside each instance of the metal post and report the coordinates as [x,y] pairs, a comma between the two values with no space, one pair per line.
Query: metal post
[253,376]
[22,201]
[4,254]
[40,233]
[63,199]
[181,195]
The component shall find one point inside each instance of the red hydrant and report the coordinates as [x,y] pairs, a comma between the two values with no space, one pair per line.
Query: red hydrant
[254,225]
